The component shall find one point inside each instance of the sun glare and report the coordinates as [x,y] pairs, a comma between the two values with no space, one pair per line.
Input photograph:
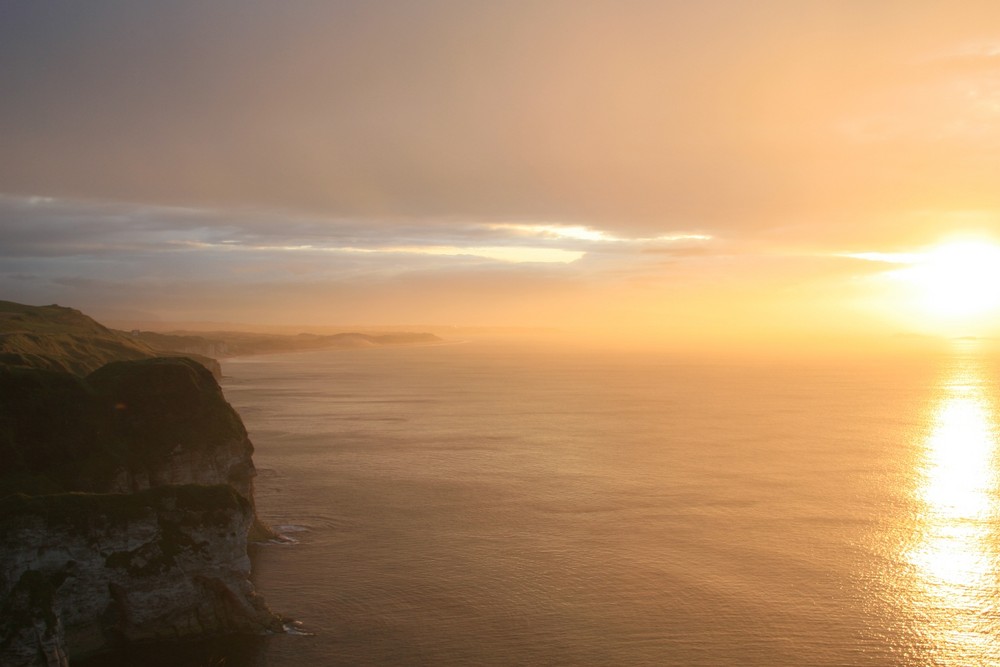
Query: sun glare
[955,555]
[958,280]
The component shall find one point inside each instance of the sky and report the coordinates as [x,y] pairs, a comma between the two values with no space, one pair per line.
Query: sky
[666,171]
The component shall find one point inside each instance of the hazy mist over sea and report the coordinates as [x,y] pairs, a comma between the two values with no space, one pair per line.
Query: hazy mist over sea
[499,504]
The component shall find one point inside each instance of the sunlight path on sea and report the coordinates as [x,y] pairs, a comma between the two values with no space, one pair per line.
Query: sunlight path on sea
[954,549]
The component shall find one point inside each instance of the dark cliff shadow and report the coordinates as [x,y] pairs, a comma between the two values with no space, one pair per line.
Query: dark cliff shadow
[232,651]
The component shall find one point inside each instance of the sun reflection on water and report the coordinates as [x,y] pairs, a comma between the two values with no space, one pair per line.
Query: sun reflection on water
[954,555]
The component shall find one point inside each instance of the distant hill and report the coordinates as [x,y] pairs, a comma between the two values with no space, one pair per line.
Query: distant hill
[64,339]
[238,343]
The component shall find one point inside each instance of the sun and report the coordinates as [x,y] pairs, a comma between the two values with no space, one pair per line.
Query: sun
[959,280]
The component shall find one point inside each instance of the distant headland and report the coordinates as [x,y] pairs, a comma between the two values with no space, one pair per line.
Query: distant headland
[64,339]
[222,344]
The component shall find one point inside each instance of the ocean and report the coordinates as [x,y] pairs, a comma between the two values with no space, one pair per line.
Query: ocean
[494,503]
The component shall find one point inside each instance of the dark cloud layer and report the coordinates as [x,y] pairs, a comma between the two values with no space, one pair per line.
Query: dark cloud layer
[632,115]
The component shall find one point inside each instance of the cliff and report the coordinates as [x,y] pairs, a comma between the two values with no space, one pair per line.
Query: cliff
[64,339]
[127,499]
[80,573]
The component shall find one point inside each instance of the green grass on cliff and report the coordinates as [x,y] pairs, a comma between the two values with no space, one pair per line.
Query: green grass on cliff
[63,339]
[60,338]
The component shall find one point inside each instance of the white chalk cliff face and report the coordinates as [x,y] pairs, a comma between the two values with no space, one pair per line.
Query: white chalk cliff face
[137,524]
[85,573]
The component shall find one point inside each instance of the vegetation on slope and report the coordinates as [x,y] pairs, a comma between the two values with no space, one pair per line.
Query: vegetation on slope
[63,339]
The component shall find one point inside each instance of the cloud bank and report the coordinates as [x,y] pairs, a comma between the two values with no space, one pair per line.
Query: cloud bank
[669,165]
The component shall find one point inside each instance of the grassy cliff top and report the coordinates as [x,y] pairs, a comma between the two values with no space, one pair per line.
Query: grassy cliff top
[20,318]
[64,339]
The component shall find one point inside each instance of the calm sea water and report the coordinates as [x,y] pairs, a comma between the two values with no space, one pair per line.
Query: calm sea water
[514,505]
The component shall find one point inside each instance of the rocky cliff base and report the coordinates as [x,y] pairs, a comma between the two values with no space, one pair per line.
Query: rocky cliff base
[126,499]
[81,573]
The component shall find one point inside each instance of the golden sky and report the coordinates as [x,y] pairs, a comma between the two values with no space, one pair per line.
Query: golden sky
[671,171]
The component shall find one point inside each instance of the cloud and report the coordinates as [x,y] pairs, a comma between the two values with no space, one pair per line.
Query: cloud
[636,118]
[105,252]
[396,157]
[114,260]
[71,228]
